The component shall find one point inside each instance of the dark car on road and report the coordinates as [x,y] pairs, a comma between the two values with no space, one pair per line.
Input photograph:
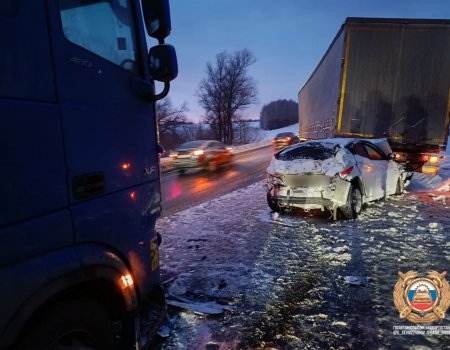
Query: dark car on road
[202,154]
[285,139]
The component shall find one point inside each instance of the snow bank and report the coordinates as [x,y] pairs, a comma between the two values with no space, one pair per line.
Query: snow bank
[425,182]
[270,134]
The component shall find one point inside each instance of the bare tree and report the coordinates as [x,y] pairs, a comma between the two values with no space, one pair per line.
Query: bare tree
[170,119]
[226,90]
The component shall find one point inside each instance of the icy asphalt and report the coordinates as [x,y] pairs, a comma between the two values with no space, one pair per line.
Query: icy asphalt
[300,281]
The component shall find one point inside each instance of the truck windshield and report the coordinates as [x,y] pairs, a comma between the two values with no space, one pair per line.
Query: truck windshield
[104,27]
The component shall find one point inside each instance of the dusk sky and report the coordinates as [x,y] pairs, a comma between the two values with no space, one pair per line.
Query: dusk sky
[287,37]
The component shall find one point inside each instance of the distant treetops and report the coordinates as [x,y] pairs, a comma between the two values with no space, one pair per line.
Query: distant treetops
[278,114]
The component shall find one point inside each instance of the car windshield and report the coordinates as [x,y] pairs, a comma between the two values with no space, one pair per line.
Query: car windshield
[191,144]
[308,150]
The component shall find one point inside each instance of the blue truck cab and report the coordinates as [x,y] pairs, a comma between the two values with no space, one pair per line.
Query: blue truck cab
[80,190]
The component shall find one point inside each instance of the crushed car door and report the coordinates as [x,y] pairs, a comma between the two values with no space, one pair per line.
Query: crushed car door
[380,163]
[368,174]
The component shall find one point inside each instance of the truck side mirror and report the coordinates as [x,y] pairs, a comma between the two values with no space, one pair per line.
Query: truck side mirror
[163,63]
[157,18]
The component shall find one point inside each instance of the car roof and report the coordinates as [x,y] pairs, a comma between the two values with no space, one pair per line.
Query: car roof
[285,133]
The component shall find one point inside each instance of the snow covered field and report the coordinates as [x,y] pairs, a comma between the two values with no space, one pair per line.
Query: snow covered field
[300,280]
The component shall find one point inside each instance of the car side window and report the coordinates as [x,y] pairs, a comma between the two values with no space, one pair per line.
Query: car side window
[359,149]
[373,153]
[220,146]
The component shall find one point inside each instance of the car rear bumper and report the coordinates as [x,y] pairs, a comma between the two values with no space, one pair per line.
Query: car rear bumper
[304,202]
[187,163]
[327,195]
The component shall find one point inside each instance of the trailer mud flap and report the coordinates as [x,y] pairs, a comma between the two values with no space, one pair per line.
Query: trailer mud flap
[154,253]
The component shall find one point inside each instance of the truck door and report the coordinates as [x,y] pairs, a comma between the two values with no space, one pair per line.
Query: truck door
[109,128]
[34,219]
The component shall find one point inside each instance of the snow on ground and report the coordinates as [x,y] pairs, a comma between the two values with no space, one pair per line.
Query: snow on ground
[297,280]
[270,134]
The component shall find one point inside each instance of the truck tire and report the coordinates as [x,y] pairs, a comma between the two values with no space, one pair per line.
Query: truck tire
[352,208]
[71,325]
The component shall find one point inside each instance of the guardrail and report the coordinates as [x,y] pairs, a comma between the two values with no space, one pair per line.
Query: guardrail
[166,163]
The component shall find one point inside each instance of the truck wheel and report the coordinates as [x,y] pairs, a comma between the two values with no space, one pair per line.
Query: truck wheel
[400,186]
[352,208]
[72,325]
[273,204]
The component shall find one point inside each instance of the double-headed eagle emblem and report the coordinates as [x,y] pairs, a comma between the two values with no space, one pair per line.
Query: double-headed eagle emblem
[422,299]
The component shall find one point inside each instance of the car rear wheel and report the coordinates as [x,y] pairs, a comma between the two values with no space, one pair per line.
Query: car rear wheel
[353,207]
[273,204]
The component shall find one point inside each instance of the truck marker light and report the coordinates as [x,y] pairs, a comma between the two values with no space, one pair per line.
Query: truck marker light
[430,169]
[126,166]
[424,158]
[126,281]
[434,159]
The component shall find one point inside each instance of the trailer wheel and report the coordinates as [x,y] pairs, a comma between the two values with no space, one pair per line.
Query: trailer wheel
[71,325]
[353,207]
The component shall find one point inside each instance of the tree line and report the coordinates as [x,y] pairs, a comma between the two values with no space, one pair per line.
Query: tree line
[278,114]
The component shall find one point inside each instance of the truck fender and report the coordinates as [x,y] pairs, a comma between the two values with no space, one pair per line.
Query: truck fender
[65,274]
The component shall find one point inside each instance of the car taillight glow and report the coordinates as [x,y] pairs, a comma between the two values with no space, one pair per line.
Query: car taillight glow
[346,171]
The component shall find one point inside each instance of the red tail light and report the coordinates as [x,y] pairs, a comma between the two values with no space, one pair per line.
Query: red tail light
[346,171]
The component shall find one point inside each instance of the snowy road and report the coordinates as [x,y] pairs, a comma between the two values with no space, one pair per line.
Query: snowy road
[194,187]
[285,278]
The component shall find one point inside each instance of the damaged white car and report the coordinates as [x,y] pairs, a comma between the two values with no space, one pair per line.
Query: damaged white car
[338,175]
